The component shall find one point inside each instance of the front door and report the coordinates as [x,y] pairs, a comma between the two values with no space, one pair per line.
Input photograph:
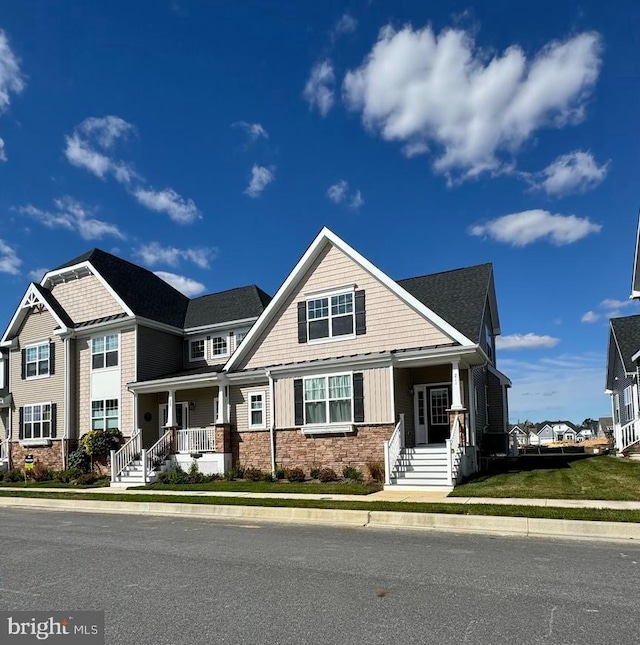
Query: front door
[431,403]
[182,416]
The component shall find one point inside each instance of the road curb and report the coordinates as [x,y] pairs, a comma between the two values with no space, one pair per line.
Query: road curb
[485,524]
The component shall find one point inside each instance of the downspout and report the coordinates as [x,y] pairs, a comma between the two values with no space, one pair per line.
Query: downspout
[65,432]
[272,423]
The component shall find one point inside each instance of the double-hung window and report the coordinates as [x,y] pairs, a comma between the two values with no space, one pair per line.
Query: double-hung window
[330,316]
[196,349]
[104,415]
[37,360]
[104,351]
[627,399]
[328,399]
[36,421]
[256,410]
[219,346]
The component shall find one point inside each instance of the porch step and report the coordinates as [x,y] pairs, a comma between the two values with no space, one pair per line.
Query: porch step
[420,468]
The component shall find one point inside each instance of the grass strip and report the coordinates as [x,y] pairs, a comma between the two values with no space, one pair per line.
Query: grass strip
[51,484]
[343,488]
[591,514]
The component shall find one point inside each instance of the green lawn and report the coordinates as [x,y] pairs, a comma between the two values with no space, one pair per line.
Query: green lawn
[52,484]
[593,514]
[601,477]
[338,488]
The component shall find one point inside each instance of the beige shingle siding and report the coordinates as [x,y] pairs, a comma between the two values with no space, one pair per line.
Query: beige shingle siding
[239,399]
[86,299]
[377,398]
[37,326]
[127,375]
[391,324]
[159,353]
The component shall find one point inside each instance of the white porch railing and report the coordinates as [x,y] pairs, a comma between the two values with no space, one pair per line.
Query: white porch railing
[392,450]
[154,456]
[196,440]
[122,458]
[454,446]
[629,434]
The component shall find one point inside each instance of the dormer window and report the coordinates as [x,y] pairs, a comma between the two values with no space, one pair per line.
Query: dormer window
[331,315]
[196,349]
[219,346]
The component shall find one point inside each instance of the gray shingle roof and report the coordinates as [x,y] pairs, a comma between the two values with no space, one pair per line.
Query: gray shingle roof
[142,291]
[458,296]
[234,304]
[627,333]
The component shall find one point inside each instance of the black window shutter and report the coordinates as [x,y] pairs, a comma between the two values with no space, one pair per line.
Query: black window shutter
[358,398]
[52,358]
[23,367]
[21,423]
[298,401]
[302,322]
[54,419]
[361,318]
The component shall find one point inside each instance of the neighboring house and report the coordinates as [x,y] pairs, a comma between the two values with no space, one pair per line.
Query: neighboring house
[521,433]
[605,427]
[344,366]
[622,379]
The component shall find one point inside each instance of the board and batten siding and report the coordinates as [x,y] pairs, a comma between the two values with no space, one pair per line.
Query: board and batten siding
[159,353]
[376,390]
[239,399]
[37,326]
[85,299]
[390,323]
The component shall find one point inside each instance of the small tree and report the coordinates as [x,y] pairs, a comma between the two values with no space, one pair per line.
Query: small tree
[97,444]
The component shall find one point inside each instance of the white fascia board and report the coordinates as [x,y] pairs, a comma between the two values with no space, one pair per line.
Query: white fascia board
[154,324]
[636,356]
[319,367]
[104,326]
[20,313]
[504,380]
[176,383]
[232,324]
[326,236]
[434,356]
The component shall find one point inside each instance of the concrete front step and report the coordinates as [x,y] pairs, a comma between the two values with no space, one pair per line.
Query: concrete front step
[424,482]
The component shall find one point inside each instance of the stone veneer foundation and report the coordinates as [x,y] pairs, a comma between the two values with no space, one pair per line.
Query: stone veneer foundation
[48,456]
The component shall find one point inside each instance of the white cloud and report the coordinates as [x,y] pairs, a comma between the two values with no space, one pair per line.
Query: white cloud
[71,215]
[154,253]
[11,79]
[571,173]
[183,284]
[520,229]
[168,201]
[611,303]
[414,149]
[36,274]
[525,341]
[566,386]
[478,109]
[590,317]
[340,193]
[261,177]
[319,89]
[9,260]
[253,130]
[346,24]
[3,156]
[90,145]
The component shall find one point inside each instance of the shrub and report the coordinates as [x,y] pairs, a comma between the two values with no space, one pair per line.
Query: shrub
[195,476]
[376,470]
[315,472]
[87,479]
[267,477]
[280,473]
[40,473]
[98,443]
[174,475]
[296,475]
[79,460]
[327,475]
[69,475]
[12,476]
[349,472]
[253,474]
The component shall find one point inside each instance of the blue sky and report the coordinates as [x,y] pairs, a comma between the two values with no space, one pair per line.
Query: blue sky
[212,140]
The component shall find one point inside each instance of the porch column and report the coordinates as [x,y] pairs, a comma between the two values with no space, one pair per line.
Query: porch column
[171,410]
[222,404]
[456,387]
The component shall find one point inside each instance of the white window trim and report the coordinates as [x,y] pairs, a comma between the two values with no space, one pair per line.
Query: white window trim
[204,355]
[216,356]
[329,294]
[262,425]
[114,398]
[627,399]
[38,376]
[105,368]
[327,426]
[35,440]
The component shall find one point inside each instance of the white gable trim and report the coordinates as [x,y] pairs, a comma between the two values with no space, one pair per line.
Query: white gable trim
[328,237]
[85,268]
[31,297]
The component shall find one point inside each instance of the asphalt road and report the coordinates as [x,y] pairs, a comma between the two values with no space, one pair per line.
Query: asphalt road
[204,582]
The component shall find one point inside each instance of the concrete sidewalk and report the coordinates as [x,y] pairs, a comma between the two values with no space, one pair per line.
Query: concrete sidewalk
[381,496]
